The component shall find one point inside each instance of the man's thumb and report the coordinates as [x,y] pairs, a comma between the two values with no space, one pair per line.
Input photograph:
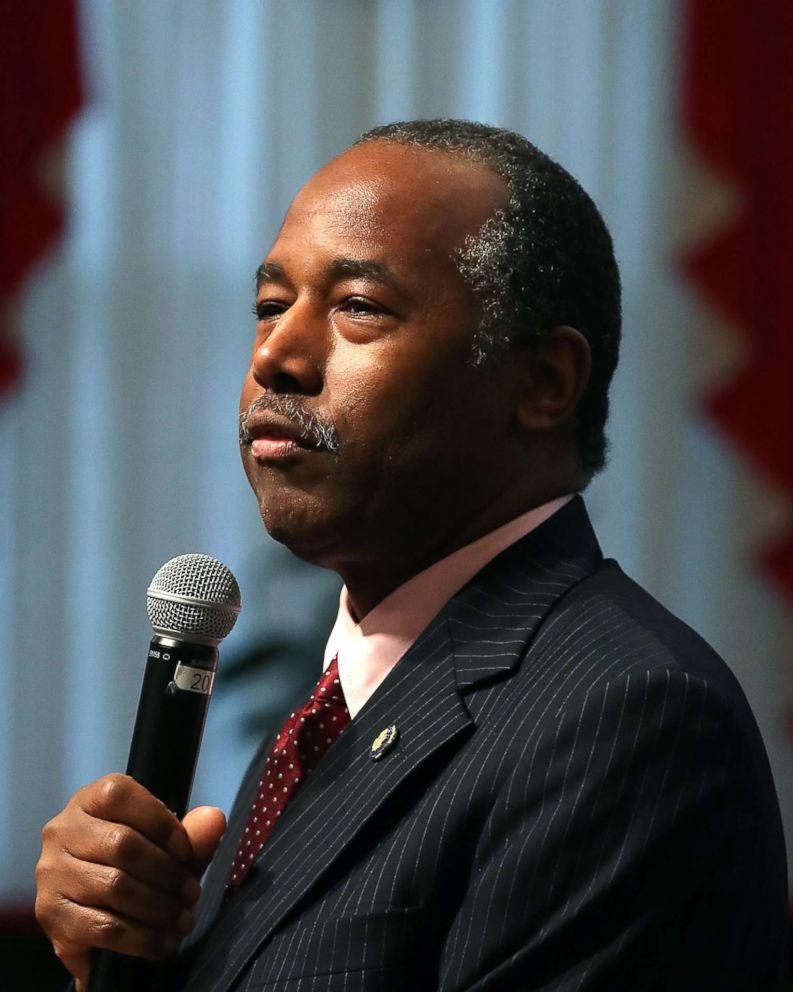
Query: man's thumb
[205,826]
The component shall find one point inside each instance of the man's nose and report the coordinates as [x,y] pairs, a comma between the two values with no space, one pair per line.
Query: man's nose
[289,357]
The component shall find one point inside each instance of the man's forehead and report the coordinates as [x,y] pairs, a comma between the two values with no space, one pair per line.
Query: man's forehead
[382,186]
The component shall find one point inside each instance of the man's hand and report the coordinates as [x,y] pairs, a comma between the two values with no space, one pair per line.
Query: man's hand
[119,871]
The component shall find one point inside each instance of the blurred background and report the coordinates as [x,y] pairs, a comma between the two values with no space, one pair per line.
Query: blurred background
[149,150]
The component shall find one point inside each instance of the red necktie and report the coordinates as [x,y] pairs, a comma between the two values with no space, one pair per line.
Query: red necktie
[303,740]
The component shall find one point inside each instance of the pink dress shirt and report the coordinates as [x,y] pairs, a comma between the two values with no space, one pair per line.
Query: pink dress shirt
[368,650]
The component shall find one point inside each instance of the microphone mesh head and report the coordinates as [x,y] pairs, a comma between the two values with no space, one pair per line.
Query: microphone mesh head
[193,598]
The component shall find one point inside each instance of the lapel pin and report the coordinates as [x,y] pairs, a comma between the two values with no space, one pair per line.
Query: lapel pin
[383,743]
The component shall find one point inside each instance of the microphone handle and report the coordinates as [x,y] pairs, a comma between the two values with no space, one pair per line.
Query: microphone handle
[174,698]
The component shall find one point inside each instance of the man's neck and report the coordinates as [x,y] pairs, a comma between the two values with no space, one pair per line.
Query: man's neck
[370,581]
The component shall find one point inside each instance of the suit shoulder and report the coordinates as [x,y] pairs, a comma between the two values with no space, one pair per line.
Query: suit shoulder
[611,615]
[608,632]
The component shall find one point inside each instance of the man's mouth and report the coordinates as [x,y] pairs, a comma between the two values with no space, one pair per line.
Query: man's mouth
[277,427]
[269,449]
[272,442]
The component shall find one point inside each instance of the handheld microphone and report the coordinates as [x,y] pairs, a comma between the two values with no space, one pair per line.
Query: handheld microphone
[193,603]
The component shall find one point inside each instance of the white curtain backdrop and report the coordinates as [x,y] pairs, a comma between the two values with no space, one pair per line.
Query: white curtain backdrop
[120,449]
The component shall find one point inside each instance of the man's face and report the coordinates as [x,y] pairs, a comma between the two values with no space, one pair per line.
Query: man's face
[363,346]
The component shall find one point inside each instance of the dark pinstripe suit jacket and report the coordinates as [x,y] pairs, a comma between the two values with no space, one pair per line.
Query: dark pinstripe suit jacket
[579,799]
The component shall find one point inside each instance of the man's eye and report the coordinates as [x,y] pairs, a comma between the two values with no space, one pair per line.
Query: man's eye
[360,306]
[264,309]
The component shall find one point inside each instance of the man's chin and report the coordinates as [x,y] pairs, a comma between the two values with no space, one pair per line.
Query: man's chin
[308,534]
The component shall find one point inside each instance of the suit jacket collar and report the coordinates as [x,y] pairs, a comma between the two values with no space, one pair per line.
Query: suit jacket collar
[480,636]
[493,619]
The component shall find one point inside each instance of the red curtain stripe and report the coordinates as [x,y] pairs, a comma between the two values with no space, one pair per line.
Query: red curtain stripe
[738,111]
[40,92]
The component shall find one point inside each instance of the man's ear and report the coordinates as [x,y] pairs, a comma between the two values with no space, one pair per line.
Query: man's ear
[556,373]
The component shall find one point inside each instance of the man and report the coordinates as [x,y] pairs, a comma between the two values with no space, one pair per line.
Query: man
[547,782]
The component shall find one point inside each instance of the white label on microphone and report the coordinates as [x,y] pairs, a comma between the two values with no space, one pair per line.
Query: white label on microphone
[194,679]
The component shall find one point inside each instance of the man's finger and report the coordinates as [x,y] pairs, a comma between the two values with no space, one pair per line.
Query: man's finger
[76,964]
[119,846]
[123,800]
[205,825]
[100,928]
[101,887]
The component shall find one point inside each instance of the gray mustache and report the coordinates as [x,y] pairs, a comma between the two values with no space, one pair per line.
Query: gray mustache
[316,430]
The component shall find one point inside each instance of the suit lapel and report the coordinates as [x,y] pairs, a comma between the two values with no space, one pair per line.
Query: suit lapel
[481,635]
[214,884]
[420,697]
